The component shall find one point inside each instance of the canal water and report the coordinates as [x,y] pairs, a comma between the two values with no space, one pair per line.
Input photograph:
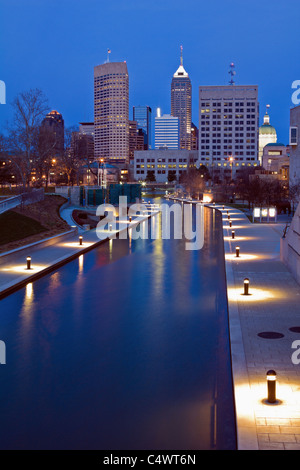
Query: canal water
[126,347]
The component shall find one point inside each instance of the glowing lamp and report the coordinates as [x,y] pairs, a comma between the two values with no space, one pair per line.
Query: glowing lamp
[80,240]
[246,286]
[237,251]
[271,384]
[28,260]
[233,234]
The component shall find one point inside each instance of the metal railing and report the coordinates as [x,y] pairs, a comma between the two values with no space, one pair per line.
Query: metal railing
[23,199]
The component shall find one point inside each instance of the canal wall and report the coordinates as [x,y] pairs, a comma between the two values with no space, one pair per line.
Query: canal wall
[14,255]
[290,247]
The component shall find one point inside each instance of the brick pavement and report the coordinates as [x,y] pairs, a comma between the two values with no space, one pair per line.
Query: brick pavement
[273,306]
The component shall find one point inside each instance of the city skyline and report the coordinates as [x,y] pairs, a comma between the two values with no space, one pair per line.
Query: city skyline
[49,68]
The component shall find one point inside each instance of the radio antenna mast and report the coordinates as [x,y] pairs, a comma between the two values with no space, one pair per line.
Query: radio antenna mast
[232,73]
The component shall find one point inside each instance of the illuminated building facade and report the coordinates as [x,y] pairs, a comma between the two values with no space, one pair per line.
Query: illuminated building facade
[166,132]
[267,135]
[165,165]
[181,105]
[228,128]
[53,124]
[111,111]
[143,116]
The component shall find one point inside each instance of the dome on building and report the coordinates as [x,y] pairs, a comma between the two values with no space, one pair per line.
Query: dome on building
[266,128]
[267,135]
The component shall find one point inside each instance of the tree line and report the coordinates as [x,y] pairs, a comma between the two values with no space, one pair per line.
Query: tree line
[28,148]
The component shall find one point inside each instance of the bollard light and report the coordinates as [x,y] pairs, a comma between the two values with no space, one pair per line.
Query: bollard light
[237,251]
[110,227]
[271,383]
[228,217]
[223,207]
[233,234]
[80,240]
[230,223]
[246,286]
[28,262]
[130,218]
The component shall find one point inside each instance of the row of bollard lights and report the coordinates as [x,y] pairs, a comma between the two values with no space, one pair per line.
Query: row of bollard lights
[271,375]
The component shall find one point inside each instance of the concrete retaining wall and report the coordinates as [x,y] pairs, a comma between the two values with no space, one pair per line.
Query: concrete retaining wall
[290,247]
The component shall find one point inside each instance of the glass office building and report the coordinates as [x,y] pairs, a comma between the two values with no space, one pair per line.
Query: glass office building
[142,115]
[166,132]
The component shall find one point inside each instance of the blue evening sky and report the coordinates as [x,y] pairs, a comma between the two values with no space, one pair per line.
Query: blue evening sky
[54,45]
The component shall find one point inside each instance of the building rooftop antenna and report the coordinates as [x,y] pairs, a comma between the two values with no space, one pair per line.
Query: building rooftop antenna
[232,73]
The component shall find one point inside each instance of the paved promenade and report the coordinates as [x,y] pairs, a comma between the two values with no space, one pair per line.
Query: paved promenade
[273,308]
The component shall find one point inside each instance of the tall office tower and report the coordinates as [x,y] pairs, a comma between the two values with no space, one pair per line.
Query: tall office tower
[136,139]
[166,132]
[195,137]
[228,128]
[53,125]
[181,104]
[143,115]
[83,141]
[111,111]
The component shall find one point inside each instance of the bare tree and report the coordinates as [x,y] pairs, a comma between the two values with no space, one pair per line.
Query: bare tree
[68,162]
[193,181]
[294,195]
[30,107]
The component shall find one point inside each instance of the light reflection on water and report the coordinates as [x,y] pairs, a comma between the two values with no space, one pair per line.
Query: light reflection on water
[123,348]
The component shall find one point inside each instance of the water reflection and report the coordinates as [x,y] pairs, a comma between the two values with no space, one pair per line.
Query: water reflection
[122,349]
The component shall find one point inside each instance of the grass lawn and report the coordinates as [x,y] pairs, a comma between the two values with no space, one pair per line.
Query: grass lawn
[14,226]
[34,222]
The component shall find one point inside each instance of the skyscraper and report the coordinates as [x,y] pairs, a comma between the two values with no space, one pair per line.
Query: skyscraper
[111,111]
[142,115]
[53,125]
[181,104]
[136,139]
[166,132]
[228,128]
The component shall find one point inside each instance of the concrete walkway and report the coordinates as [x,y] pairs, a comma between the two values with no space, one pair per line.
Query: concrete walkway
[273,308]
